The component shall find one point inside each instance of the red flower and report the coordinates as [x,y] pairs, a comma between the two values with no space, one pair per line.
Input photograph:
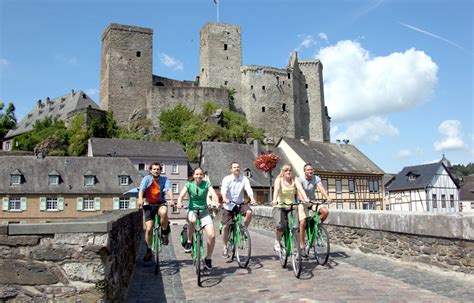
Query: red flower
[266,162]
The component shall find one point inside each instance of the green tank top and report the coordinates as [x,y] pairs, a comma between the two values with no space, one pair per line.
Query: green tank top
[286,195]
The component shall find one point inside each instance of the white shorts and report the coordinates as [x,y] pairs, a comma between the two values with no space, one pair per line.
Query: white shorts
[205,217]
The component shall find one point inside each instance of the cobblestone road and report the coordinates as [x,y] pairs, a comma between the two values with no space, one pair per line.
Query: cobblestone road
[348,277]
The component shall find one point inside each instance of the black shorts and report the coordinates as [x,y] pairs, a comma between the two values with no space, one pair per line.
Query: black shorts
[227,215]
[280,217]
[149,211]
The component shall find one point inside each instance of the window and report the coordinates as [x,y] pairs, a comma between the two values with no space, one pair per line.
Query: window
[435,202]
[225,46]
[373,186]
[251,86]
[225,82]
[351,186]
[338,186]
[175,209]
[263,87]
[175,188]
[472,205]
[51,204]
[263,109]
[141,166]
[88,204]
[124,203]
[14,204]
[53,180]
[306,85]
[7,145]
[163,170]
[339,205]
[283,107]
[368,205]
[123,180]
[89,180]
[139,53]
[289,76]
[411,177]
[443,201]
[352,205]
[325,183]
[451,201]
[15,179]
[174,168]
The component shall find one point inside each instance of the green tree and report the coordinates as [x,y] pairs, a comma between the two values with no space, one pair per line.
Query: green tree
[43,129]
[79,134]
[7,119]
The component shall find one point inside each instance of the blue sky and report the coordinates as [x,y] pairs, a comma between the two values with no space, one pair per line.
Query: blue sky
[398,74]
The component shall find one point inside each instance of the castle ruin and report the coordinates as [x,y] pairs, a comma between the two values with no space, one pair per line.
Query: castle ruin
[284,102]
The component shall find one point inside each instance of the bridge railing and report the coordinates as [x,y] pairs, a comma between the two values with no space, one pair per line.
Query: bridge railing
[442,240]
[88,260]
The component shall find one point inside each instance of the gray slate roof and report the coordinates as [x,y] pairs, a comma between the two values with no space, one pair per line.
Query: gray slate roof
[71,171]
[467,188]
[57,108]
[216,158]
[135,148]
[425,174]
[331,157]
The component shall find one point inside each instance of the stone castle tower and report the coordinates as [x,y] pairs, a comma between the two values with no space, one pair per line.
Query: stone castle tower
[284,102]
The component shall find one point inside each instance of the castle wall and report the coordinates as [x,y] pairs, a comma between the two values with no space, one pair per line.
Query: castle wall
[167,82]
[267,98]
[163,98]
[312,71]
[126,69]
[221,58]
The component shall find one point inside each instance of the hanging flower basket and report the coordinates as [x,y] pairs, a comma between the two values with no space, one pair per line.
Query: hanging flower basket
[266,162]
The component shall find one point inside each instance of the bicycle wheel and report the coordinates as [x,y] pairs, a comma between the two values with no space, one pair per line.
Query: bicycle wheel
[199,264]
[244,247]
[296,252]
[230,243]
[321,245]
[282,253]
[157,247]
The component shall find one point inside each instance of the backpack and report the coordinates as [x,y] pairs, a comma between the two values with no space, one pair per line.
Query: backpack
[183,237]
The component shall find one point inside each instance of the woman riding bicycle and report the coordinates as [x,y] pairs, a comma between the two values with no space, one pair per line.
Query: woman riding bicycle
[197,191]
[286,187]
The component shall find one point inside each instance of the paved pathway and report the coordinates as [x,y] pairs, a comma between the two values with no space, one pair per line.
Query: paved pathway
[349,277]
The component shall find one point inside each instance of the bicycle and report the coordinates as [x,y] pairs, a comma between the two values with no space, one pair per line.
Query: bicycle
[239,238]
[317,236]
[290,243]
[156,244]
[197,252]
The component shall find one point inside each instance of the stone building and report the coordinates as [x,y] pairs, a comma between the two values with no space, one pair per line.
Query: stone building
[285,101]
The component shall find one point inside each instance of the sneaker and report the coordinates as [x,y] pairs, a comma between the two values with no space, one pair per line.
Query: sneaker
[208,264]
[148,255]
[276,247]
[304,255]
[225,252]
[188,247]
[164,238]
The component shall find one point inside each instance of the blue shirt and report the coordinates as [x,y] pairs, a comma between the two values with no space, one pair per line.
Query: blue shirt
[163,183]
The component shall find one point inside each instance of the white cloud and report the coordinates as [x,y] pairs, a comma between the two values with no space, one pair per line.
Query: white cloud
[366,131]
[307,41]
[404,153]
[68,60]
[171,62]
[323,36]
[359,85]
[92,91]
[4,62]
[451,129]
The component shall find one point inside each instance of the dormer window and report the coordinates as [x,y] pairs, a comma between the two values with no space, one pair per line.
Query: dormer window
[411,178]
[89,180]
[124,180]
[16,177]
[247,172]
[53,178]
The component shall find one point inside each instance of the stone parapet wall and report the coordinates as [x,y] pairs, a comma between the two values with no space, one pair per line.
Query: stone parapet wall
[445,241]
[87,260]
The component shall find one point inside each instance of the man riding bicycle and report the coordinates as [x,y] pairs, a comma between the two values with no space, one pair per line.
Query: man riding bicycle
[232,189]
[310,182]
[154,187]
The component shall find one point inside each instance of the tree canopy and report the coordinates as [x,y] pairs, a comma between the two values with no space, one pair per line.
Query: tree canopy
[7,119]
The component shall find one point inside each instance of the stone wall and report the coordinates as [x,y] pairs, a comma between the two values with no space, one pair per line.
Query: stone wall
[445,241]
[86,260]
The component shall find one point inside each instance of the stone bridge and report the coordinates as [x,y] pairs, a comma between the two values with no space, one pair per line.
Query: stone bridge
[376,256]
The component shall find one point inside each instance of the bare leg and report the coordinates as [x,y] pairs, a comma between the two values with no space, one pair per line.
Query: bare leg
[211,239]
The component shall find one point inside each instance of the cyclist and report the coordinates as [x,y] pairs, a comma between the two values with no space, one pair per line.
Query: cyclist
[197,191]
[154,187]
[232,189]
[310,182]
[286,188]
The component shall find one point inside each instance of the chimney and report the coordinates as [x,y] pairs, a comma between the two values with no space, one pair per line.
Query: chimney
[256,148]
[338,141]
[72,93]
[39,104]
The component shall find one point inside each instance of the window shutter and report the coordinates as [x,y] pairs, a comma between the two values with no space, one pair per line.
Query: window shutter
[80,203]
[133,202]
[116,203]
[5,203]
[97,203]
[42,203]
[60,203]
[22,222]
[23,203]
